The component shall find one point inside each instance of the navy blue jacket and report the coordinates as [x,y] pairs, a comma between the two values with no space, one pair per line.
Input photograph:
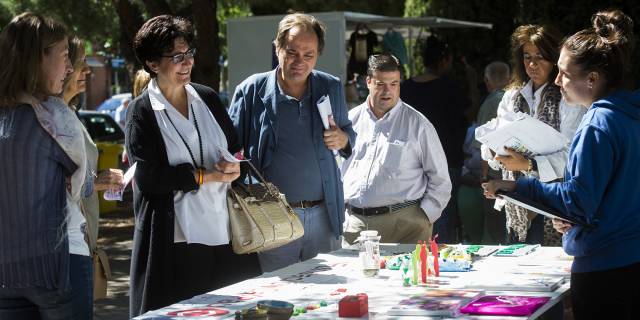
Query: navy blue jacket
[254,110]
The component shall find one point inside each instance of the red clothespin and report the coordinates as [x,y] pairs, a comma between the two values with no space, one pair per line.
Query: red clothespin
[434,251]
[423,261]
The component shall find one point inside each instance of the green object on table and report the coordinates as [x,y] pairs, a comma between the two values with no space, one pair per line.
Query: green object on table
[323,303]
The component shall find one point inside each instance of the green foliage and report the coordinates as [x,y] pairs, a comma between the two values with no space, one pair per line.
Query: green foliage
[481,46]
[93,20]
[230,9]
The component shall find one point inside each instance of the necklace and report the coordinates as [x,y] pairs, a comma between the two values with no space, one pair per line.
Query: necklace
[195,123]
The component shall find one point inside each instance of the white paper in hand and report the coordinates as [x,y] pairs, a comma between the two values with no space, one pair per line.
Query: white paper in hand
[324,107]
[116,195]
[522,133]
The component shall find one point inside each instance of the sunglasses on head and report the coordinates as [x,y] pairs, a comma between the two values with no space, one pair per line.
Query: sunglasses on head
[179,58]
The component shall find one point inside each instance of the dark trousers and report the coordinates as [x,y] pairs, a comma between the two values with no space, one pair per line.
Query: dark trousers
[35,304]
[447,227]
[607,294]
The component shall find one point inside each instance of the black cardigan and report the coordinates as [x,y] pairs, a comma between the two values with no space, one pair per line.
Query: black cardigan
[155,182]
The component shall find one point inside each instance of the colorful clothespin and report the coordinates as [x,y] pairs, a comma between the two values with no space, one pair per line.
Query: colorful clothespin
[434,252]
[423,261]
[415,256]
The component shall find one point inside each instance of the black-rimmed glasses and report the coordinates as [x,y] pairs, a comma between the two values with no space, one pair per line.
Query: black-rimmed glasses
[179,58]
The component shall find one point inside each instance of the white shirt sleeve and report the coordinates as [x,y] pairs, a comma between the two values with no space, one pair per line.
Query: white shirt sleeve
[434,164]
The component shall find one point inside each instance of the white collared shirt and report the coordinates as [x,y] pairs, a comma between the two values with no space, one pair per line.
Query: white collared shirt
[396,158]
[202,216]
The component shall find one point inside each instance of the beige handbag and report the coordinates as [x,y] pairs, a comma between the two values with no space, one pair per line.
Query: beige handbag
[101,274]
[261,219]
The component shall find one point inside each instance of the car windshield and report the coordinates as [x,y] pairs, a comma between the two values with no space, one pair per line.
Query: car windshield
[102,127]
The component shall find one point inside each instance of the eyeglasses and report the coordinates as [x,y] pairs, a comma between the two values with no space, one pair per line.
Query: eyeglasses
[179,58]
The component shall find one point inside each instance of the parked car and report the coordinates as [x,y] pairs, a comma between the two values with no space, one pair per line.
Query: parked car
[109,139]
[110,105]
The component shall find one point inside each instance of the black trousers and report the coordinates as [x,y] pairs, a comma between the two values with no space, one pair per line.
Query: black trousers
[607,294]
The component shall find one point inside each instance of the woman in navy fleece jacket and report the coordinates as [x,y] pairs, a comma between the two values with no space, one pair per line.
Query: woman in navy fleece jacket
[602,179]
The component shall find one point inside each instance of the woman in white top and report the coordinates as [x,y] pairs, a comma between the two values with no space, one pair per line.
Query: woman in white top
[83,224]
[534,51]
[176,134]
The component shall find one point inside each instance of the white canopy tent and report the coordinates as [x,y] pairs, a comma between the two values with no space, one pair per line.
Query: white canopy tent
[249,39]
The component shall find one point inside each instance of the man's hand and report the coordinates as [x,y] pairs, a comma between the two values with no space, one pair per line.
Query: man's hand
[334,137]
[561,225]
[491,187]
[514,161]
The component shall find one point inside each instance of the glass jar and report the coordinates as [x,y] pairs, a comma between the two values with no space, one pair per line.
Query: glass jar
[369,255]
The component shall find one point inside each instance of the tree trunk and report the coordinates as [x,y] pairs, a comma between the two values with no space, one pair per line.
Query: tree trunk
[157,7]
[206,70]
[130,22]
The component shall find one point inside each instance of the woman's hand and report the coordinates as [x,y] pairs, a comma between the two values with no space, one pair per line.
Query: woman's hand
[514,161]
[224,171]
[108,179]
[561,225]
[491,187]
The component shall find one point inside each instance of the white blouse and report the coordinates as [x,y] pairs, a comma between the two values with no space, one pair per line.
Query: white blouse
[201,216]
[550,166]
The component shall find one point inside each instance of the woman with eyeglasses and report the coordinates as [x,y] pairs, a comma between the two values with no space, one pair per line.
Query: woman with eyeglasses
[534,50]
[176,134]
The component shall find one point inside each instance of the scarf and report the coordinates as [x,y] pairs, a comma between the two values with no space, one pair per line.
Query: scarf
[518,218]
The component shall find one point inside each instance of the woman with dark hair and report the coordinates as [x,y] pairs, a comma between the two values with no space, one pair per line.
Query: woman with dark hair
[443,101]
[42,171]
[176,133]
[601,180]
[534,50]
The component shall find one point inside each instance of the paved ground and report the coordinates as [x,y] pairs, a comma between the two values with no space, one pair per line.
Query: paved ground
[116,234]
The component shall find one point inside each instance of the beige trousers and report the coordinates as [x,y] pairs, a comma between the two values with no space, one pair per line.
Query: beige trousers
[407,225]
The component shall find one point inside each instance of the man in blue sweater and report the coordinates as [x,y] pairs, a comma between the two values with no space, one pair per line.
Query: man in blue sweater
[281,130]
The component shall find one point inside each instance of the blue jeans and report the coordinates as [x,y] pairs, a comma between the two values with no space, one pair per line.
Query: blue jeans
[535,234]
[318,238]
[81,277]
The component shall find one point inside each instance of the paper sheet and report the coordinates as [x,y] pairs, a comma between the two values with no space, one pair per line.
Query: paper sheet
[520,132]
[324,108]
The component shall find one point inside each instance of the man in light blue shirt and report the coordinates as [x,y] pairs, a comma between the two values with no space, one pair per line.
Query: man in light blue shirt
[276,116]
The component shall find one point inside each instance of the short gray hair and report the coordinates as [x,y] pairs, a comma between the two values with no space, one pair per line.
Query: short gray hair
[497,72]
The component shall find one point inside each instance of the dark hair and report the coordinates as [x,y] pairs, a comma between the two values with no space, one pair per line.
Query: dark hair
[23,44]
[382,62]
[303,21]
[434,51]
[605,48]
[156,36]
[545,39]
